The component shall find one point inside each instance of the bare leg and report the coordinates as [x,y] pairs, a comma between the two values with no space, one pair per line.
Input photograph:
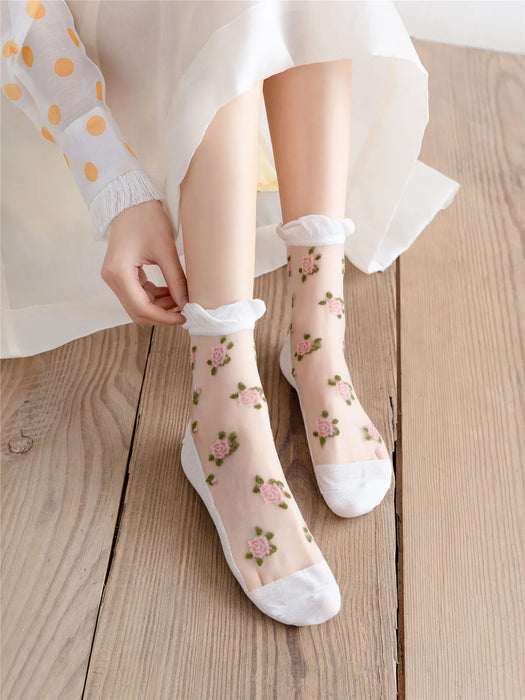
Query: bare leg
[231,425]
[308,110]
[217,205]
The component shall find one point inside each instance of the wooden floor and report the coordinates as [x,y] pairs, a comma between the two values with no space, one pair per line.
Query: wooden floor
[114,584]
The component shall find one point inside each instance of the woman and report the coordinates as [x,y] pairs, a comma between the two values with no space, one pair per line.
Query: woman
[301,57]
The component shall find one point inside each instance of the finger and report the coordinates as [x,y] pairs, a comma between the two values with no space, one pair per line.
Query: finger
[174,274]
[140,307]
[166,302]
[156,291]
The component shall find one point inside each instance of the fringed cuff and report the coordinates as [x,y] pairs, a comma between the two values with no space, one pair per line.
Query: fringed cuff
[132,187]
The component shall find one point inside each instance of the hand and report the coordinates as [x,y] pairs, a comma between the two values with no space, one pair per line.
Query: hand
[142,235]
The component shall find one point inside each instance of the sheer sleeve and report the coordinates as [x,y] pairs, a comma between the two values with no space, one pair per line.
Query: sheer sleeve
[47,73]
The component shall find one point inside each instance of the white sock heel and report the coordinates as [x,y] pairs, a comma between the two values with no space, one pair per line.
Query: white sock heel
[306,597]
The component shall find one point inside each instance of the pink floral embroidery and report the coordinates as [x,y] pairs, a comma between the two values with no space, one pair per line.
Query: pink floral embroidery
[219,355]
[194,427]
[334,304]
[272,491]
[309,265]
[293,299]
[211,480]
[326,428]
[249,396]
[306,346]
[372,432]
[196,393]
[223,447]
[344,389]
[307,534]
[260,546]
[288,265]
[192,356]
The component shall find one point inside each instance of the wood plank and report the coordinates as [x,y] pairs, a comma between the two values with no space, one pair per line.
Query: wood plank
[462,405]
[174,622]
[68,417]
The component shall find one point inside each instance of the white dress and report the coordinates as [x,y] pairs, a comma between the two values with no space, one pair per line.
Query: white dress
[104,104]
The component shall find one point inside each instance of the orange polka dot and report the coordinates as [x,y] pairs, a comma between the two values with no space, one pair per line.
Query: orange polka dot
[73,37]
[90,171]
[129,149]
[9,47]
[35,9]
[65,157]
[64,67]
[53,114]
[96,125]
[27,55]
[46,134]
[99,90]
[12,90]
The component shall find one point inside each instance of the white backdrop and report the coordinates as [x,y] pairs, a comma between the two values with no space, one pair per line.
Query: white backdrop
[488,24]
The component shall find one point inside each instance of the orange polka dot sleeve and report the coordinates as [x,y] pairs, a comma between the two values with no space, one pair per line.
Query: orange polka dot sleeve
[48,75]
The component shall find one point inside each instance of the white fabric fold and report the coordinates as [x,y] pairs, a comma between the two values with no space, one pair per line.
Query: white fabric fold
[315,229]
[228,318]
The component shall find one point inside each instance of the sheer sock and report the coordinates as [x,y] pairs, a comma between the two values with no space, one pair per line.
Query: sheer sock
[351,462]
[229,455]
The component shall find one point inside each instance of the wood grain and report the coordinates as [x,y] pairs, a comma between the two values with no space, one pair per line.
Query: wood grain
[174,622]
[67,422]
[462,329]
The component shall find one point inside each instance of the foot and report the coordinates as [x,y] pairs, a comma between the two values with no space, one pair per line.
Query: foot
[231,429]
[338,427]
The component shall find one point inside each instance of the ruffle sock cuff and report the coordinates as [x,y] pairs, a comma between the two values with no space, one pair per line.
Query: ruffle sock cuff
[229,318]
[315,229]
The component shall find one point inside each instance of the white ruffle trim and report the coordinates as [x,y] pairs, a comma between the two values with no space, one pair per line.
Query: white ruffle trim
[129,188]
[315,229]
[229,318]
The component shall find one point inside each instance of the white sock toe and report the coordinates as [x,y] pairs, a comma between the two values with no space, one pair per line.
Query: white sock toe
[307,597]
[354,488]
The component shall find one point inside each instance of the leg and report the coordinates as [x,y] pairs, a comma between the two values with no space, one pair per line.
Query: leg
[230,421]
[217,205]
[308,111]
